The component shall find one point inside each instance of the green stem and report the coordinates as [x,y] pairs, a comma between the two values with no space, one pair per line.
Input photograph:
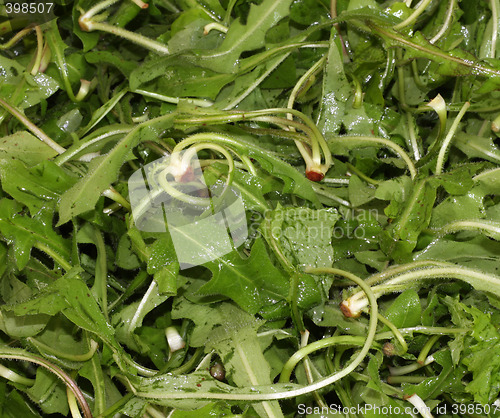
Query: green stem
[39,50]
[190,364]
[17,37]
[446,23]
[395,270]
[174,100]
[16,354]
[97,8]
[490,228]
[406,379]
[414,16]
[35,130]
[95,137]
[479,280]
[101,272]
[423,330]
[72,357]
[449,137]
[349,340]
[323,191]
[361,175]
[57,257]
[152,45]
[494,29]
[8,374]
[370,141]
[113,194]
[427,348]
[395,332]
[73,405]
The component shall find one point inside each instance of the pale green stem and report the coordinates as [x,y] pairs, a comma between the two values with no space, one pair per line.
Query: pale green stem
[405,379]
[326,193]
[423,330]
[427,348]
[413,138]
[420,405]
[308,371]
[490,227]
[67,155]
[85,86]
[494,29]
[112,194]
[446,24]
[72,357]
[57,257]
[174,100]
[17,37]
[214,25]
[304,151]
[395,332]
[14,377]
[151,44]
[348,340]
[400,371]
[414,16]
[479,280]
[97,8]
[382,141]
[174,164]
[335,180]
[140,308]
[39,50]
[395,270]
[35,130]
[73,406]
[449,137]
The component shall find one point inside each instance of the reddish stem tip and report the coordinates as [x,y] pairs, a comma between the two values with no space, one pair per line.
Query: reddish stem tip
[314,175]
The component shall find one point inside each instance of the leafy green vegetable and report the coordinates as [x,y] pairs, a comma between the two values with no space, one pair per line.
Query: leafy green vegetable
[350,141]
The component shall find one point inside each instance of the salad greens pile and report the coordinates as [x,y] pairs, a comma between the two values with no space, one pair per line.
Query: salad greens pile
[362,136]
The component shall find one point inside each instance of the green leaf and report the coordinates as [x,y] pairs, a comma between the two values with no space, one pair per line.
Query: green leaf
[24,232]
[305,235]
[405,311]
[49,392]
[36,187]
[241,38]
[126,321]
[251,282]
[103,171]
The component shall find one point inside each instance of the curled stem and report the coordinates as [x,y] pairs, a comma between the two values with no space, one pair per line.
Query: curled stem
[348,340]
[72,357]
[369,141]
[16,354]
[291,392]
